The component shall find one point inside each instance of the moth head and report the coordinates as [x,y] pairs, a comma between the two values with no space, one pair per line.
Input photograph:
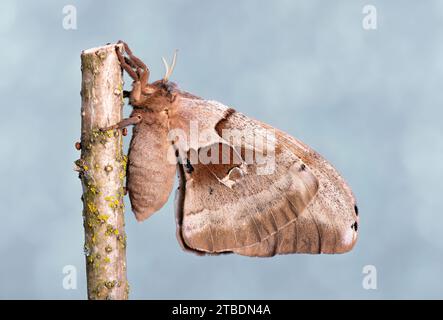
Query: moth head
[161,93]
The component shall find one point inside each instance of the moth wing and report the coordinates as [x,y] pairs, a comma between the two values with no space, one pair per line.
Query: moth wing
[288,199]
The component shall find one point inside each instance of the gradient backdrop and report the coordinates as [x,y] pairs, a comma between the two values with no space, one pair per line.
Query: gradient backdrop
[370,101]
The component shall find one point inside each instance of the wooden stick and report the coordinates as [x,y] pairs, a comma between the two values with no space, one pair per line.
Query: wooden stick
[102,168]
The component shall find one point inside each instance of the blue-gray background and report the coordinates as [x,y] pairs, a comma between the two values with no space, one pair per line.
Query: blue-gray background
[369,101]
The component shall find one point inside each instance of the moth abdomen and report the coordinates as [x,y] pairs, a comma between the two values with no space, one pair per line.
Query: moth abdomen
[150,170]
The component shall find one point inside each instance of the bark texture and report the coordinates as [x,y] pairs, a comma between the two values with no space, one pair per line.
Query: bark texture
[102,169]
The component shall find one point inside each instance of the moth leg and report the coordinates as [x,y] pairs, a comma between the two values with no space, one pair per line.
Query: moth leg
[140,75]
[142,70]
[135,96]
[126,66]
[124,123]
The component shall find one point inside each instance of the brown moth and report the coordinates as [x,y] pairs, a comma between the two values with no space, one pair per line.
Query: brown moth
[285,198]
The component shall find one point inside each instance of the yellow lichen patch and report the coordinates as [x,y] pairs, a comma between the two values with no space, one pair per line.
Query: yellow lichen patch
[113,202]
[101,136]
[81,164]
[101,54]
[93,190]
[125,160]
[103,218]
[109,230]
[122,240]
[114,205]
[120,91]
[110,133]
[110,284]
[90,258]
[92,208]
[107,259]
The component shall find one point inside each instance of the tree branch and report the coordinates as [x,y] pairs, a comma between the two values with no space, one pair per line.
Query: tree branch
[102,168]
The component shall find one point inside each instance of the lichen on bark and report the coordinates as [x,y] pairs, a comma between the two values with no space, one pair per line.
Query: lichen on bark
[102,169]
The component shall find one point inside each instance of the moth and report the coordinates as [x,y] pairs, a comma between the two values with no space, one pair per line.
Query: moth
[258,192]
